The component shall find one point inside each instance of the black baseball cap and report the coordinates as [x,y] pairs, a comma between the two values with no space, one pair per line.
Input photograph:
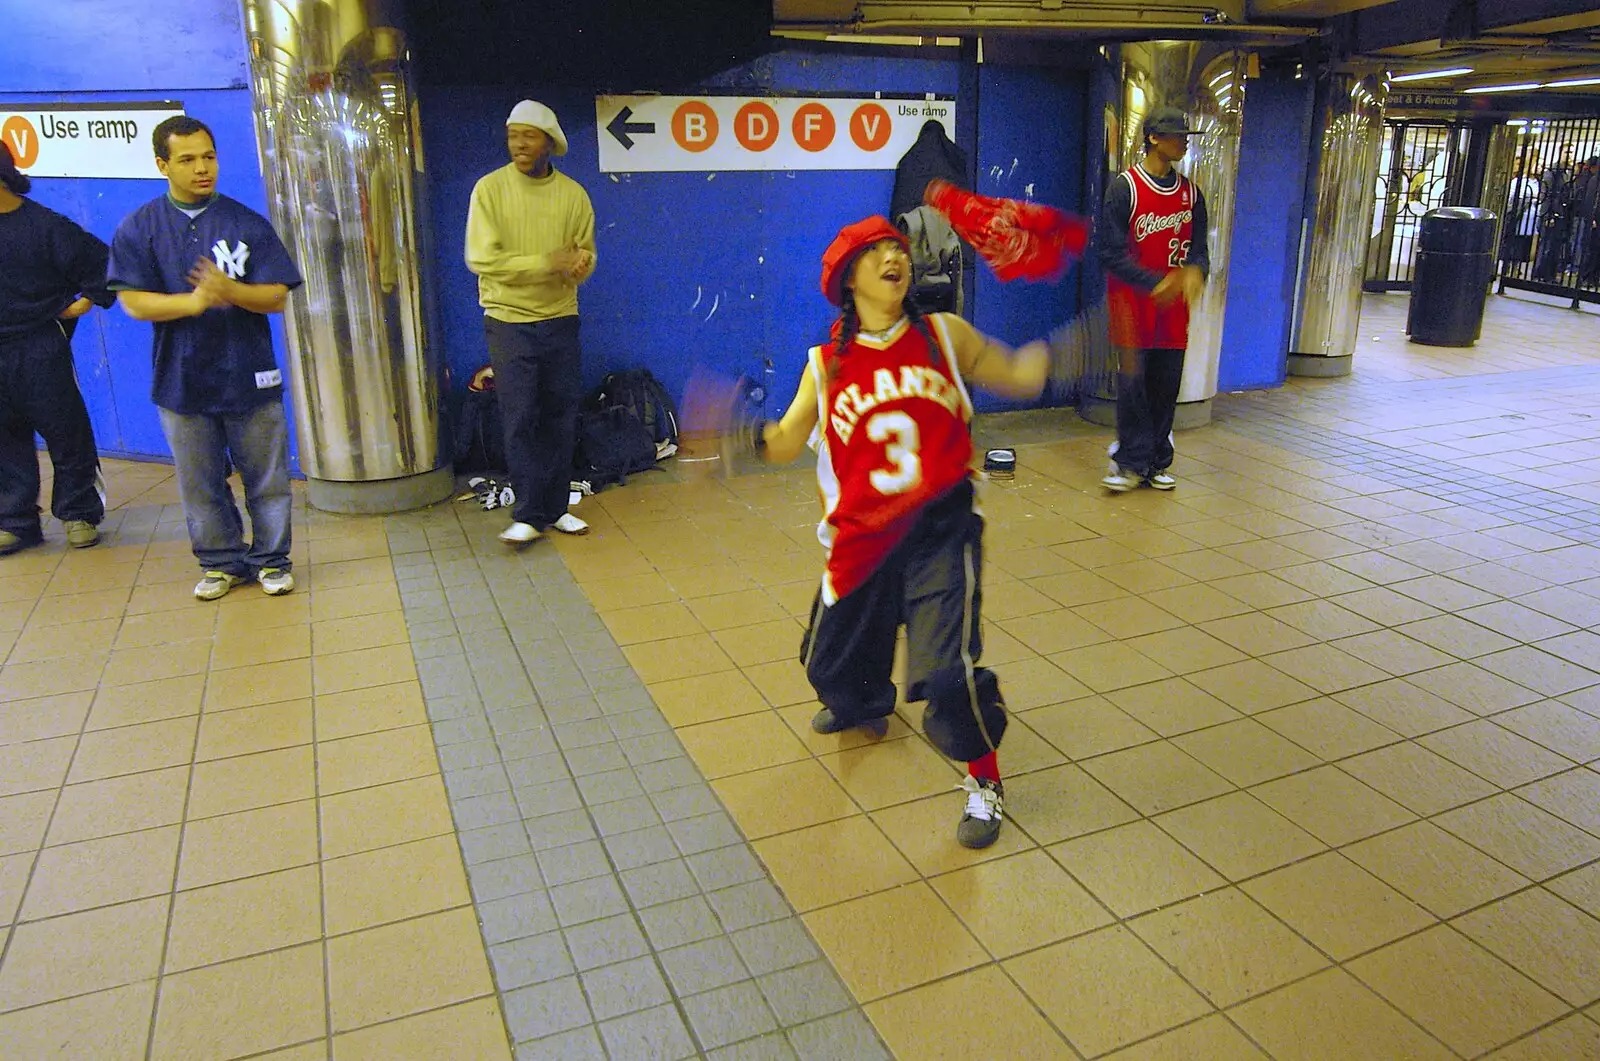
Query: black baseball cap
[1167,121]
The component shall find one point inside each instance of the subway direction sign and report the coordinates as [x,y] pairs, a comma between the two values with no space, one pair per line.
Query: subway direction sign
[698,133]
[84,140]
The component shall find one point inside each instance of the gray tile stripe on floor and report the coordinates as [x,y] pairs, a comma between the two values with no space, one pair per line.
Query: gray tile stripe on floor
[624,914]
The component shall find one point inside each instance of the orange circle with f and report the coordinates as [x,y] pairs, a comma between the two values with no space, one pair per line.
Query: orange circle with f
[694,126]
[870,127]
[23,140]
[756,126]
[813,127]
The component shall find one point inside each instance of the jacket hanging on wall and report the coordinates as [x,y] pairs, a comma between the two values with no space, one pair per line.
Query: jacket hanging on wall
[936,273]
[933,155]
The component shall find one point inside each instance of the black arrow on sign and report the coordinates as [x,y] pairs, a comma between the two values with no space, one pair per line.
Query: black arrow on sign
[620,127]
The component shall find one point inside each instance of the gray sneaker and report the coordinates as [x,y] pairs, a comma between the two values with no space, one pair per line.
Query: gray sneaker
[215,585]
[825,722]
[980,822]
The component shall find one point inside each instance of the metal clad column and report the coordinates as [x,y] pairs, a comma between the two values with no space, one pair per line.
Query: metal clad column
[336,124]
[1206,81]
[1328,318]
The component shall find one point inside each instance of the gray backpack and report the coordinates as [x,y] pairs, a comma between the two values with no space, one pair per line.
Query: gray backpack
[935,260]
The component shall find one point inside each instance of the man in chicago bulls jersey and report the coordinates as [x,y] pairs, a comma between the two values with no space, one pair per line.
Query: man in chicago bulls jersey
[886,407]
[1152,241]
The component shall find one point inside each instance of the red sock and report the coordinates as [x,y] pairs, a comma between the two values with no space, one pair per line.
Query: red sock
[986,768]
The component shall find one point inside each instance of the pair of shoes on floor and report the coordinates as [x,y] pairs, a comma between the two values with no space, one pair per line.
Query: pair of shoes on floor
[826,722]
[523,533]
[215,585]
[1121,480]
[15,543]
[81,533]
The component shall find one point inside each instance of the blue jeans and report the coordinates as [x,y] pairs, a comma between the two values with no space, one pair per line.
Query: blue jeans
[257,442]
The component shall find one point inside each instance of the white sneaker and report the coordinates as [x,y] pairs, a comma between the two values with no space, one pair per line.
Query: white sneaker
[1120,481]
[275,581]
[570,524]
[520,534]
[215,585]
[1161,481]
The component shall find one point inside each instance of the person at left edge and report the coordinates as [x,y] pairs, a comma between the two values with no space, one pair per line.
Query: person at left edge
[51,272]
[206,270]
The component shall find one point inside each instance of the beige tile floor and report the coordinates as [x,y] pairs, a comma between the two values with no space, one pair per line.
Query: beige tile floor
[1304,761]
[223,831]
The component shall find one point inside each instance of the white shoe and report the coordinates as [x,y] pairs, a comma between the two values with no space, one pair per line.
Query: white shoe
[275,581]
[1161,481]
[1120,481]
[520,534]
[570,524]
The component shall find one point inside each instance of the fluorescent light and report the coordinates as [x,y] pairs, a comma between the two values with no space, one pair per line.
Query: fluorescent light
[1528,86]
[1518,122]
[1573,82]
[1454,71]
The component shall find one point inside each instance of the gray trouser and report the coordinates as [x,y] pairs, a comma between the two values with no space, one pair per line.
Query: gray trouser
[257,442]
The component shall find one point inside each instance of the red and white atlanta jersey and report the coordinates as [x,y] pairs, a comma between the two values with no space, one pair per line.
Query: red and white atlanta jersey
[1160,228]
[892,435]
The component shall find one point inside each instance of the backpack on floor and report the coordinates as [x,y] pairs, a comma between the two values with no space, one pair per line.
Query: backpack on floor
[479,438]
[612,445]
[638,391]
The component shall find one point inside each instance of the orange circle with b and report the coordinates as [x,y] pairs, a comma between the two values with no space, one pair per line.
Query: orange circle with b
[756,126]
[813,127]
[870,127]
[23,140]
[694,126]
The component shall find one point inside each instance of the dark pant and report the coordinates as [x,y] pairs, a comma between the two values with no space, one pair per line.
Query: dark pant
[538,381]
[932,583]
[1147,400]
[39,392]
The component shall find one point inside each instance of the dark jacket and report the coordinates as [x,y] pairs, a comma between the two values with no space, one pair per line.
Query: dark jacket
[933,155]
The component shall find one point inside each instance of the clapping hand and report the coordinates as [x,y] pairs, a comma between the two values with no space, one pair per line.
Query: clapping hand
[210,284]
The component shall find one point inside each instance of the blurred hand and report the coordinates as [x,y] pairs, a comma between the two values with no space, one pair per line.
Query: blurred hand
[1193,282]
[1169,289]
[568,260]
[211,285]
[76,310]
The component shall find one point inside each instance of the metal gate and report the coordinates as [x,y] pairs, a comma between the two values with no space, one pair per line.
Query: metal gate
[1422,167]
[1550,235]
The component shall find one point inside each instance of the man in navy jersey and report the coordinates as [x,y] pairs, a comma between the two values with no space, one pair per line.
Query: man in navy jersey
[1152,241]
[206,270]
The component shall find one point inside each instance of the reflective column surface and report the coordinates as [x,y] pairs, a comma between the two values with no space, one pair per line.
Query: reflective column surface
[337,125]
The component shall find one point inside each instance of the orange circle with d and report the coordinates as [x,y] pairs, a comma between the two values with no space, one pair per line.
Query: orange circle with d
[23,140]
[694,126]
[813,127]
[870,127]
[756,126]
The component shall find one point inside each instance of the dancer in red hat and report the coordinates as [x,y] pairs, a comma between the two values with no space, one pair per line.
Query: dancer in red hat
[887,404]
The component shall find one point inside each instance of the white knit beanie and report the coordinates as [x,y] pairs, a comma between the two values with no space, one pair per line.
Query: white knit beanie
[529,112]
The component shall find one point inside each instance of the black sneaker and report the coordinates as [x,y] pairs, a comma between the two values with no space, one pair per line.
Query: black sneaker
[980,822]
[825,721]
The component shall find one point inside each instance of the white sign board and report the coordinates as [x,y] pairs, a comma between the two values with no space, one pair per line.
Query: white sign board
[84,140]
[683,133]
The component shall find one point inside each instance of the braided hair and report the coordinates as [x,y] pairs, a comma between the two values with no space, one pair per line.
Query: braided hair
[849,326]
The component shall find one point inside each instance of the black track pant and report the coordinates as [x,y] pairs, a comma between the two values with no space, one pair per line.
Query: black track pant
[1147,400]
[931,584]
[538,381]
[39,392]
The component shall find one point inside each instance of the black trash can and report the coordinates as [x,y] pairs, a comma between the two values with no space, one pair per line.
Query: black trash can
[1455,264]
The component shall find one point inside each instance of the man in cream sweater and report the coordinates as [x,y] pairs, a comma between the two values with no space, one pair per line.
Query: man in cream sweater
[530,240]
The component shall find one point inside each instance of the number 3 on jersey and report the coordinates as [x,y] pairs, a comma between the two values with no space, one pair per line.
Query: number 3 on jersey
[900,432]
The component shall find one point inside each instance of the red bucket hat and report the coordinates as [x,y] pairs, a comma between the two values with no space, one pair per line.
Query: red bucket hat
[850,242]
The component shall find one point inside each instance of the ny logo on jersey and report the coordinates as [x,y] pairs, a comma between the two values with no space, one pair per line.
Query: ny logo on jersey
[231,262]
